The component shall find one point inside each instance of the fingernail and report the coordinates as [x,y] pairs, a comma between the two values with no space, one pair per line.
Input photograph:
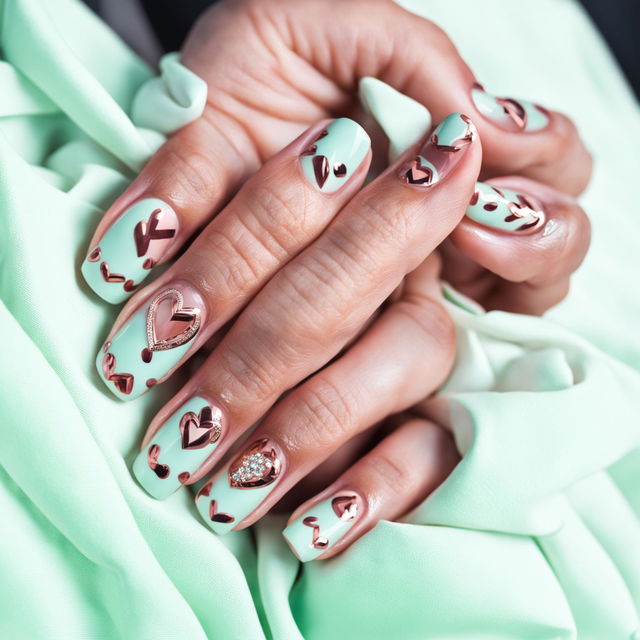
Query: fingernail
[505,209]
[234,493]
[508,113]
[133,244]
[335,154]
[178,449]
[440,153]
[151,342]
[317,530]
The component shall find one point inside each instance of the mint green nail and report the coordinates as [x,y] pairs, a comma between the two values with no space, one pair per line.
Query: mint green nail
[455,131]
[335,155]
[178,449]
[505,209]
[133,244]
[317,530]
[508,112]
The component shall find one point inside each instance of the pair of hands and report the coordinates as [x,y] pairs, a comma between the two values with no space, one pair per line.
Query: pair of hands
[303,282]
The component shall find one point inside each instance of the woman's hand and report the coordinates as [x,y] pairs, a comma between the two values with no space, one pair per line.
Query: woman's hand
[274,68]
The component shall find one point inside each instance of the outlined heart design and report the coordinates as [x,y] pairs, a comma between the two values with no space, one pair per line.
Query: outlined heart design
[418,173]
[147,230]
[161,470]
[122,381]
[197,431]
[257,467]
[345,507]
[179,313]
[107,276]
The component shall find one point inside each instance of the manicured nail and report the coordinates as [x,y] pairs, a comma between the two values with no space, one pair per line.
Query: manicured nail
[505,209]
[178,449]
[440,153]
[234,493]
[335,154]
[513,115]
[152,342]
[133,244]
[317,530]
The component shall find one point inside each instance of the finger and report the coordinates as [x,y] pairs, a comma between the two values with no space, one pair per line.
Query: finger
[391,479]
[384,372]
[528,234]
[274,216]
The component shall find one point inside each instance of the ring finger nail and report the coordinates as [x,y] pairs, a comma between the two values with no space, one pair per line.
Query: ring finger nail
[180,447]
[510,114]
[505,209]
[319,528]
[440,153]
[133,244]
[151,342]
[234,493]
[335,154]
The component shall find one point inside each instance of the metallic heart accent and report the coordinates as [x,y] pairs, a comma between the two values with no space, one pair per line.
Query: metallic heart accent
[339,170]
[219,516]
[320,169]
[107,276]
[317,541]
[147,230]
[198,431]
[161,470]
[258,466]
[179,313]
[122,381]
[345,507]
[458,143]
[417,173]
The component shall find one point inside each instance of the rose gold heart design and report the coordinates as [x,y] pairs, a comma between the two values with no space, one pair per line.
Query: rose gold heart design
[179,313]
[130,286]
[107,276]
[219,516]
[317,541]
[345,507]
[418,173]
[258,466]
[147,230]
[198,431]
[95,255]
[525,209]
[339,170]
[122,381]
[161,470]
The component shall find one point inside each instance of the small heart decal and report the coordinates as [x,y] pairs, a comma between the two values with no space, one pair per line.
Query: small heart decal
[147,230]
[198,431]
[161,332]
[345,507]
[107,276]
[257,467]
[122,381]
[161,470]
[317,541]
[419,173]
[219,516]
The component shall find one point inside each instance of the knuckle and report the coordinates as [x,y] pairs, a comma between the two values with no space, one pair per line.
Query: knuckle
[386,471]
[193,174]
[383,224]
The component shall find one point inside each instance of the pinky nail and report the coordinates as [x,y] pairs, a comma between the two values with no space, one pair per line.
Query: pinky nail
[318,529]
[508,113]
[234,493]
[178,449]
[505,209]
[440,153]
[131,246]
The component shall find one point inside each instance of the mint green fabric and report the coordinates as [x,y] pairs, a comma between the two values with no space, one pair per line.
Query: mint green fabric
[535,535]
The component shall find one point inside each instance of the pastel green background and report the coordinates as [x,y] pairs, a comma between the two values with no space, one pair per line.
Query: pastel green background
[535,535]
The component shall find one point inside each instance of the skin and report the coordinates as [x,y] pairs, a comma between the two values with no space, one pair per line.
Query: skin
[298,279]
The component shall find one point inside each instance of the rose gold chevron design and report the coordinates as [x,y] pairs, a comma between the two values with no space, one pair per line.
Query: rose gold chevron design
[345,507]
[147,230]
[107,276]
[219,516]
[317,541]
[122,381]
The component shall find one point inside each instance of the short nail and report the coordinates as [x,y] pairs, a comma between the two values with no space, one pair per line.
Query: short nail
[335,154]
[151,342]
[508,113]
[234,493]
[505,209]
[133,244]
[178,449]
[440,153]
[318,529]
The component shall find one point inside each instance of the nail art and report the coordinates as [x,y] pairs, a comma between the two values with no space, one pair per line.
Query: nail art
[511,114]
[152,342]
[335,154]
[323,525]
[232,495]
[133,244]
[178,449]
[505,209]
[440,153]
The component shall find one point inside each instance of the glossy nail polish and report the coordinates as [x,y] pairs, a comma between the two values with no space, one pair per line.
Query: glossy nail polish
[317,530]
[440,153]
[335,154]
[508,113]
[178,449]
[133,244]
[234,493]
[151,342]
[505,209]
